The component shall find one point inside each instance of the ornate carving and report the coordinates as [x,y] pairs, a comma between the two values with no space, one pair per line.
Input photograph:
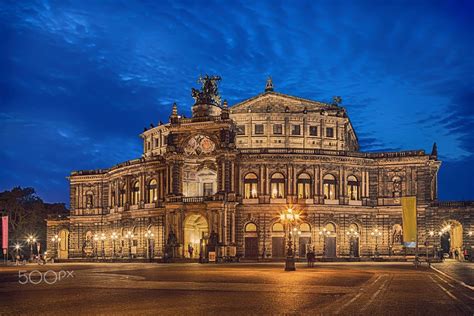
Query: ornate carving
[198,145]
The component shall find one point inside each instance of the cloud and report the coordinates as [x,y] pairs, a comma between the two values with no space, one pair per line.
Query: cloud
[84,78]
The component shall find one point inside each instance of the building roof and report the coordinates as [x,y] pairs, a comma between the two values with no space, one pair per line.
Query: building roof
[271,101]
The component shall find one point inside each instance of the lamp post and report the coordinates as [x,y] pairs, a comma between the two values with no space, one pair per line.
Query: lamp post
[149,239]
[289,217]
[17,256]
[352,234]
[114,238]
[56,239]
[129,235]
[376,233]
[102,241]
[31,241]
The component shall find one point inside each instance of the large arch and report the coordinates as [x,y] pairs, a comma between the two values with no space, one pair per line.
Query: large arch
[451,238]
[196,229]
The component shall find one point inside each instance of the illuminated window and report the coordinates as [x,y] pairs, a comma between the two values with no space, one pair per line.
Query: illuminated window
[250,186]
[135,193]
[277,227]
[250,228]
[353,188]
[152,191]
[277,185]
[304,186]
[329,187]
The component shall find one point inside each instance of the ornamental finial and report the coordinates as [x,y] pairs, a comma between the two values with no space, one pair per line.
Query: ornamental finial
[269,85]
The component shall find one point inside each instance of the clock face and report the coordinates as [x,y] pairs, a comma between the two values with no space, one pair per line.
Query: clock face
[199,144]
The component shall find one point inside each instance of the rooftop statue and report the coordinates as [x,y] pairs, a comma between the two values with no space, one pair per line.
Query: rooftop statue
[208,93]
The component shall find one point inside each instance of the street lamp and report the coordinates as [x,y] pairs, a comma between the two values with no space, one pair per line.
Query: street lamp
[149,239]
[56,239]
[102,241]
[114,237]
[352,234]
[31,241]
[376,233]
[290,218]
[129,235]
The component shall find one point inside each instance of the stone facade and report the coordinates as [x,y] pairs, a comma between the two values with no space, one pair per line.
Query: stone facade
[221,179]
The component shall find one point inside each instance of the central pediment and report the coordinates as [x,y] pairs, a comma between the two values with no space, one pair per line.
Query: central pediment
[277,102]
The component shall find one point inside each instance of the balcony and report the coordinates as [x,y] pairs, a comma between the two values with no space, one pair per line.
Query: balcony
[194,199]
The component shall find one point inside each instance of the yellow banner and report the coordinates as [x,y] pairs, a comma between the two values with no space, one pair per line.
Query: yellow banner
[409,220]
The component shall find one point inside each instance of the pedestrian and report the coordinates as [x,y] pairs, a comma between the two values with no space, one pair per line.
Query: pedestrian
[456,254]
[190,250]
[466,255]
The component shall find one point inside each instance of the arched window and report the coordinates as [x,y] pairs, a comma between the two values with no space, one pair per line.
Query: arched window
[277,227]
[135,193]
[250,186]
[330,227]
[353,228]
[329,187]
[305,228]
[250,228]
[304,186]
[277,185]
[152,191]
[353,188]
[122,195]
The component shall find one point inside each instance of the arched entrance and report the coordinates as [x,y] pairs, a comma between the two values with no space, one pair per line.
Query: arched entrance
[304,239]
[353,235]
[451,238]
[278,240]
[63,244]
[196,231]
[329,240]
[250,241]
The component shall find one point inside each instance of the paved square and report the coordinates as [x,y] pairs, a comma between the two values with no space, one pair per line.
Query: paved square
[335,288]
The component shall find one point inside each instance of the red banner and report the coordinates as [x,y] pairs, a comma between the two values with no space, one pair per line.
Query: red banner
[5,232]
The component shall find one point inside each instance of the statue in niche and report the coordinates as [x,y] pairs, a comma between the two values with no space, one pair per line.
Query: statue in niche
[397,186]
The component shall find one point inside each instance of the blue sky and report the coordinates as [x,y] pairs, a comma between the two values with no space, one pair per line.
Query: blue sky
[80,79]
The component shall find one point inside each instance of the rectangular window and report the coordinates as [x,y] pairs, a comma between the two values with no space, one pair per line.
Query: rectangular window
[157,142]
[240,129]
[208,189]
[258,129]
[295,130]
[313,131]
[277,129]
[329,132]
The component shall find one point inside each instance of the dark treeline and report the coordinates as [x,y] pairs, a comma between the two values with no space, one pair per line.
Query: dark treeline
[27,216]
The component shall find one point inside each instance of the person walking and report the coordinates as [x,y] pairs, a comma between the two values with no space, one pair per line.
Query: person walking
[190,250]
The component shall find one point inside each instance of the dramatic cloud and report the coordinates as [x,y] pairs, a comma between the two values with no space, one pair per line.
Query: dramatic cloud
[81,79]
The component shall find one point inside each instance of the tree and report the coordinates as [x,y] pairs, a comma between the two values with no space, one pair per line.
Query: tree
[27,214]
